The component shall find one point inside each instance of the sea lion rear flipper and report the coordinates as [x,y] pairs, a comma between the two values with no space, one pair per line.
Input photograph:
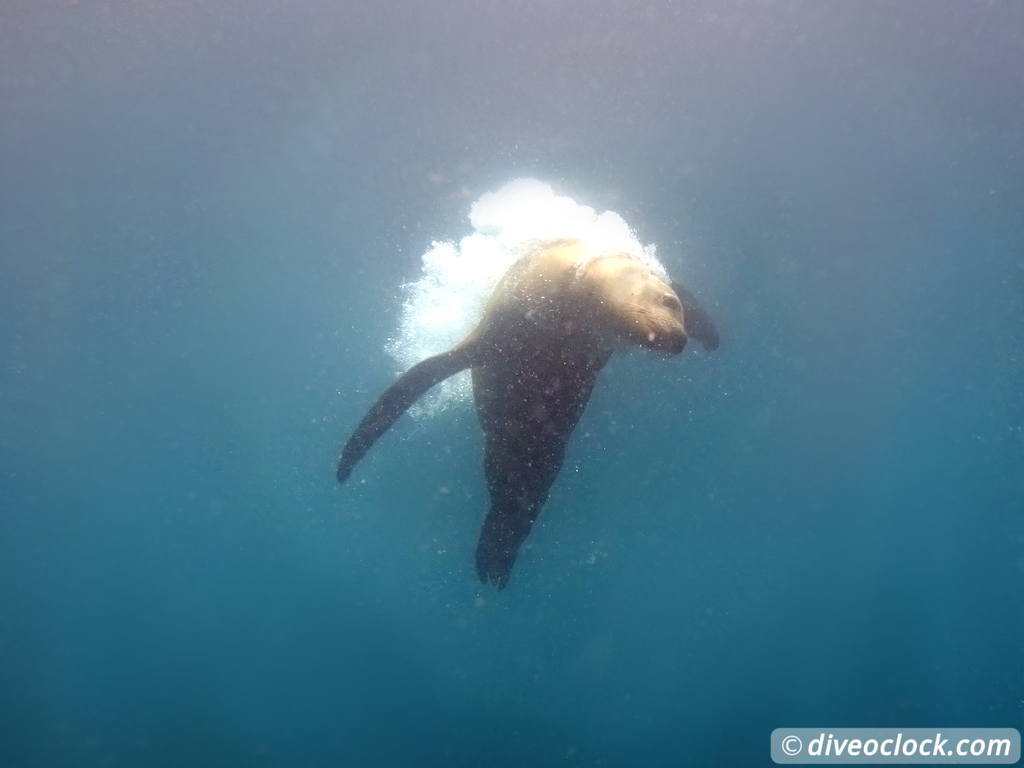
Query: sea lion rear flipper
[519,485]
[528,410]
[698,322]
[396,400]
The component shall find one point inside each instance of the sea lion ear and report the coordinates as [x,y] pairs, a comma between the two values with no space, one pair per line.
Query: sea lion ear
[698,323]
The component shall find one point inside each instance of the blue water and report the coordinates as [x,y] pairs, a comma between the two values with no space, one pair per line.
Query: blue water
[206,212]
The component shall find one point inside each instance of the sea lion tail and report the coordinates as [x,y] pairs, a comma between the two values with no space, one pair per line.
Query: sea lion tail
[396,400]
[697,321]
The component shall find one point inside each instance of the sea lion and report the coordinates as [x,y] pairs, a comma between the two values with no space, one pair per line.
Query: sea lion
[550,326]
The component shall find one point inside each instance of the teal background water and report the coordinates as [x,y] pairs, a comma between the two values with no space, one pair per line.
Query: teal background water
[206,211]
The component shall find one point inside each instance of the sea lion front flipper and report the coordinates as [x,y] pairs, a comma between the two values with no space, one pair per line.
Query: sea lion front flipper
[698,322]
[396,400]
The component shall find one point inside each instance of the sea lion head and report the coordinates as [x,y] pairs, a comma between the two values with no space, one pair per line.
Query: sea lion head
[637,305]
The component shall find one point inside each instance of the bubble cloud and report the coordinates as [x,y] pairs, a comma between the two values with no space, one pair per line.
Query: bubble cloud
[448,299]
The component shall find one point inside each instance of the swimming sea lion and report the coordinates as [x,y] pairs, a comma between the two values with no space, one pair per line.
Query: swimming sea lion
[552,323]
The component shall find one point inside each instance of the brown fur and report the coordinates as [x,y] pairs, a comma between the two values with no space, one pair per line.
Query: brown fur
[549,328]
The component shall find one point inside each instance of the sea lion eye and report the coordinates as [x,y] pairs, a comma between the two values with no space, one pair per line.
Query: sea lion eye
[669,300]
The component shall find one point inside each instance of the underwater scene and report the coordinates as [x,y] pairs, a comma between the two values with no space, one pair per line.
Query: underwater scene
[688,338]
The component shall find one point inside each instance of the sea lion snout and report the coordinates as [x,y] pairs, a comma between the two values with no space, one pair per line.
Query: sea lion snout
[659,314]
[671,342]
[675,338]
[675,343]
